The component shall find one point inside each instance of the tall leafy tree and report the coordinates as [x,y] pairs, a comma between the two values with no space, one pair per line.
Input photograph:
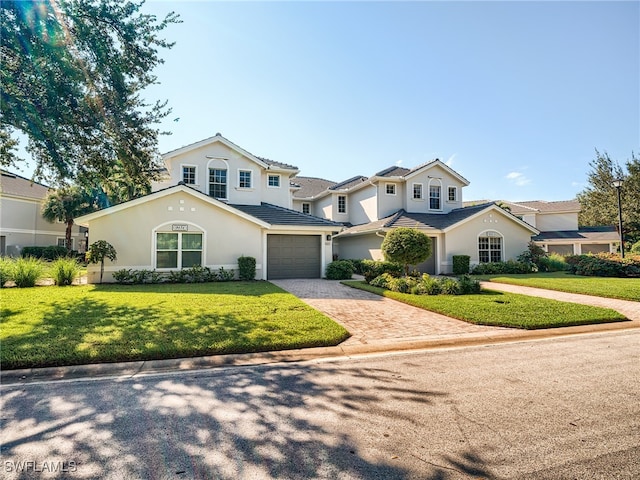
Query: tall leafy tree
[65,205]
[407,246]
[599,200]
[71,81]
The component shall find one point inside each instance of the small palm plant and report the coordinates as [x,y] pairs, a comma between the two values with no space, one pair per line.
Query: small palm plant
[98,251]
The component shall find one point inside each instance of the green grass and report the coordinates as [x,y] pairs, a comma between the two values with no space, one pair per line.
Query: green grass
[47,326]
[502,309]
[623,288]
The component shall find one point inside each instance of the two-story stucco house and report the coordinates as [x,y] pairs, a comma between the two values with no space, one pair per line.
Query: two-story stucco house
[217,202]
[21,222]
[428,197]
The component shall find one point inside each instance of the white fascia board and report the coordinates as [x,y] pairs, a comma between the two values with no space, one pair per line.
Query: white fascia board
[85,219]
[210,141]
[432,164]
[501,211]
[302,228]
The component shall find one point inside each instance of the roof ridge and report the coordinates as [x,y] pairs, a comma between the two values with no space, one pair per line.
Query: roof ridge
[347,181]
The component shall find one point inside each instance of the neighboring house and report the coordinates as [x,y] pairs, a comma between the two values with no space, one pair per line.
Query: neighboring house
[559,230]
[428,197]
[21,222]
[216,203]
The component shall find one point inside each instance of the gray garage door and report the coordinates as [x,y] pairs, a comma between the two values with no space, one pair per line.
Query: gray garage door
[293,256]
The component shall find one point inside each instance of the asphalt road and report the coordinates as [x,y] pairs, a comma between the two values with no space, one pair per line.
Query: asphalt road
[564,408]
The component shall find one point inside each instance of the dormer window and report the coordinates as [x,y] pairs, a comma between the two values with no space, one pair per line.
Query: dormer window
[453,194]
[306,208]
[391,188]
[244,179]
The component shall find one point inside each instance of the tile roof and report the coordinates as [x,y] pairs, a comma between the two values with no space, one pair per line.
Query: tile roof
[546,207]
[421,221]
[310,186]
[351,182]
[14,184]
[583,234]
[277,164]
[276,215]
[393,171]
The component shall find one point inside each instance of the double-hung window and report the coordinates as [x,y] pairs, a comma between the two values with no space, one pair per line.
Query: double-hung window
[178,250]
[244,179]
[218,183]
[490,247]
[417,191]
[453,194]
[434,197]
[342,204]
[306,208]
[391,188]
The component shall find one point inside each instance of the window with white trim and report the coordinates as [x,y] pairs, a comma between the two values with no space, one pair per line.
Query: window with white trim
[391,188]
[306,208]
[218,183]
[417,191]
[273,181]
[342,204]
[490,247]
[452,194]
[434,197]
[189,174]
[244,178]
[62,242]
[178,249]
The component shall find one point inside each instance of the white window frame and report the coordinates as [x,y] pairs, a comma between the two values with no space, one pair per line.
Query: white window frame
[240,172]
[195,173]
[393,188]
[226,184]
[308,205]
[62,244]
[489,234]
[276,176]
[435,183]
[166,228]
[345,204]
[455,193]
[413,191]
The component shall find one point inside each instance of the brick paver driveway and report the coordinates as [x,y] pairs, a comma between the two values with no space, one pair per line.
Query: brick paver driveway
[373,319]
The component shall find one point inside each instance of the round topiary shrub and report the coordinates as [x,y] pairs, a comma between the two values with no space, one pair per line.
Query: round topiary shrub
[339,270]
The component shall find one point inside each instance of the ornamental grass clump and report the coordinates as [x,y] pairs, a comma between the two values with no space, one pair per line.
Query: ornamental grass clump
[64,271]
[27,271]
[6,270]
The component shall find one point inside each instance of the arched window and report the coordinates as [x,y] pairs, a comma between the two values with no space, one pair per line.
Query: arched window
[435,194]
[218,179]
[178,245]
[490,246]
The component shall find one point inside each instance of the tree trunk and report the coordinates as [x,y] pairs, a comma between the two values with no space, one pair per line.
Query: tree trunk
[101,270]
[67,239]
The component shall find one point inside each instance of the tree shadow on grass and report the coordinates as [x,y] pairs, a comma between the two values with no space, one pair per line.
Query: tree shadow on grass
[290,422]
[90,330]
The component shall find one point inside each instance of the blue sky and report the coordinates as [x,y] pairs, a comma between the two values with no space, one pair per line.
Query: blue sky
[515,96]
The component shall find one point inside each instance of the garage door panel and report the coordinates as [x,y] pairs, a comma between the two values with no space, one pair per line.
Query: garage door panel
[293,256]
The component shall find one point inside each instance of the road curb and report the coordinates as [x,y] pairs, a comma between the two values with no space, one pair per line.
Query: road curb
[132,369]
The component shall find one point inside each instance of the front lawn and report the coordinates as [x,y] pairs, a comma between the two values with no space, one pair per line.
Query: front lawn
[47,326]
[610,287]
[502,309]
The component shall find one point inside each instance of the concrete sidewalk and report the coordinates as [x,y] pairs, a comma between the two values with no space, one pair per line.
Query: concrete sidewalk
[377,325]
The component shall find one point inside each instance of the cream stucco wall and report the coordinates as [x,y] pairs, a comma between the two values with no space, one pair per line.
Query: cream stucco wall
[362,205]
[463,239]
[218,155]
[557,221]
[359,247]
[435,175]
[132,233]
[22,225]
[324,207]
[389,204]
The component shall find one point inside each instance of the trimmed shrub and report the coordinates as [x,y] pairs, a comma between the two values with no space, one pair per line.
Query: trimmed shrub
[468,285]
[510,266]
[449,286]
[556,263]
[357,265]
[461,264]
[604,265]
[64,271]
[407,246]
[402,284]
[225,275]
[52,252]
[124,276]
[339,270]
[373,268]
[382,281]
[247,268]
[27,271]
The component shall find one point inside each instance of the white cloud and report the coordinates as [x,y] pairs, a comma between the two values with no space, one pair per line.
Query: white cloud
[518,178]
[449,161]
[398,163]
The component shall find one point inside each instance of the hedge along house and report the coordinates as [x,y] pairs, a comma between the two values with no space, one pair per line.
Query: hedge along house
[216,202]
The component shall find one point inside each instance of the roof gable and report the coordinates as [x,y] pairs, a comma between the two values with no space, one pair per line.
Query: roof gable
[436,163]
